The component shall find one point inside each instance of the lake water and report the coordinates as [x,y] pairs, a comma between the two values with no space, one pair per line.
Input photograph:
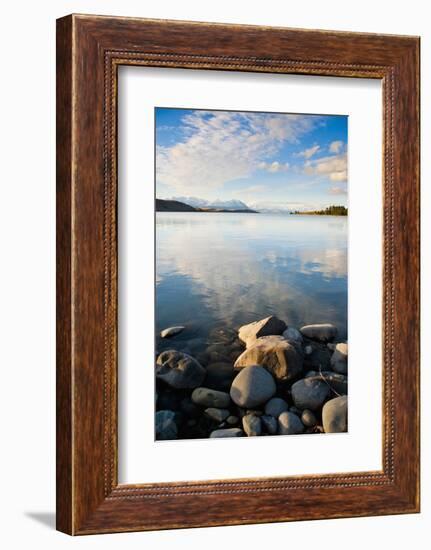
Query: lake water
[217,270]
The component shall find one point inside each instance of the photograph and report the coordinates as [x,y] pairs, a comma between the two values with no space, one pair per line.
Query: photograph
[251,291]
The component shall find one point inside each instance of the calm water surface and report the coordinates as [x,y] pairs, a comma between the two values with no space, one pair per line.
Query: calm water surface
[225,270]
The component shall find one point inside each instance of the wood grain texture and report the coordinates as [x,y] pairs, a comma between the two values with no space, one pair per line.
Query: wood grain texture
[90,49]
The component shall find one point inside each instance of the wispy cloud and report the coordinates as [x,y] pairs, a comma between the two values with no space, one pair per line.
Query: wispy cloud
[218,147]
[336,190]
[308,153]
[334,167]
[336,147]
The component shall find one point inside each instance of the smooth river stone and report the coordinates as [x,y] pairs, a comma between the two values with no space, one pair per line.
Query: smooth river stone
[206,397]
[276,406]
[322,333]
[171,331]
[179,370]
[252,387]
[334,415]
[289,424]
[310,393]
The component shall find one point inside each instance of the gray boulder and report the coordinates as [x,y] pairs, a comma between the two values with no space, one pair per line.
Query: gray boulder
[265,327]
[227,432]
[292,335]
[276,406]
[253,386]
[322,333]
[270,424]
[179,370]
[252,425]
[334,415]
[166,427]
[206,397]
[171,331]
[289,424]
[218,415]
[281,359]
[339,358]
[310,393]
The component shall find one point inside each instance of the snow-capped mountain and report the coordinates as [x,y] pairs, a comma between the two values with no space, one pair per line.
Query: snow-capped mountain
[202,203]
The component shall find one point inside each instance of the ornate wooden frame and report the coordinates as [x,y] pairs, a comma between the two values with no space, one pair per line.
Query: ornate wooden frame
[89,51]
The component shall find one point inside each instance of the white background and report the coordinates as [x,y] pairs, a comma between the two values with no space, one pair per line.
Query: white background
[27,120]
[141,458]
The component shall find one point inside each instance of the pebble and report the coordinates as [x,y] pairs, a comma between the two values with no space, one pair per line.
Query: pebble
[334,415]
[308,418]
[269,423]
[179,370]
[310,393]
[217,414]
[275,406]
[252,425]
[289,424]
[166,427]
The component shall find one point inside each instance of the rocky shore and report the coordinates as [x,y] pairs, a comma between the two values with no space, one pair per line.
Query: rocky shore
[266,379]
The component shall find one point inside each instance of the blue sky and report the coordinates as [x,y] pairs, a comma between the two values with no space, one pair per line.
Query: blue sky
[267,160]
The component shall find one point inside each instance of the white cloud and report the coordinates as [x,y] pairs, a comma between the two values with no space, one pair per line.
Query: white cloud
[338,190]
[334,168]
[308,153]
[219,147]
[274,166]
[336,147]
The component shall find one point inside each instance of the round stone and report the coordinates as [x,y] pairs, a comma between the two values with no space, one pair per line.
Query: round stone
[252,387]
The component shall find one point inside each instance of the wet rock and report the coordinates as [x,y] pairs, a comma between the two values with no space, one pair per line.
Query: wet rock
[276,354]
[275,407]
[228,432]
[252,387]
[334,415]
[308,418]
[171,331]
[166,427]
[289,424]
[322,333]
[206,397]
[310,393]
[218,415]
[252,425]
[270,424]
[292,335]
[179,370]
[265,327]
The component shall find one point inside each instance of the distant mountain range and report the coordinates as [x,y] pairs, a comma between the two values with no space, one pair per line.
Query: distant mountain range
[175,205]
[217,204]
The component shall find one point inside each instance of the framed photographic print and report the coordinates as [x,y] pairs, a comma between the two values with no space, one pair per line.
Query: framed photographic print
[237,274]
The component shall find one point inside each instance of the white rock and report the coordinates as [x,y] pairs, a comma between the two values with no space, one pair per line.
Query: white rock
[171,331]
